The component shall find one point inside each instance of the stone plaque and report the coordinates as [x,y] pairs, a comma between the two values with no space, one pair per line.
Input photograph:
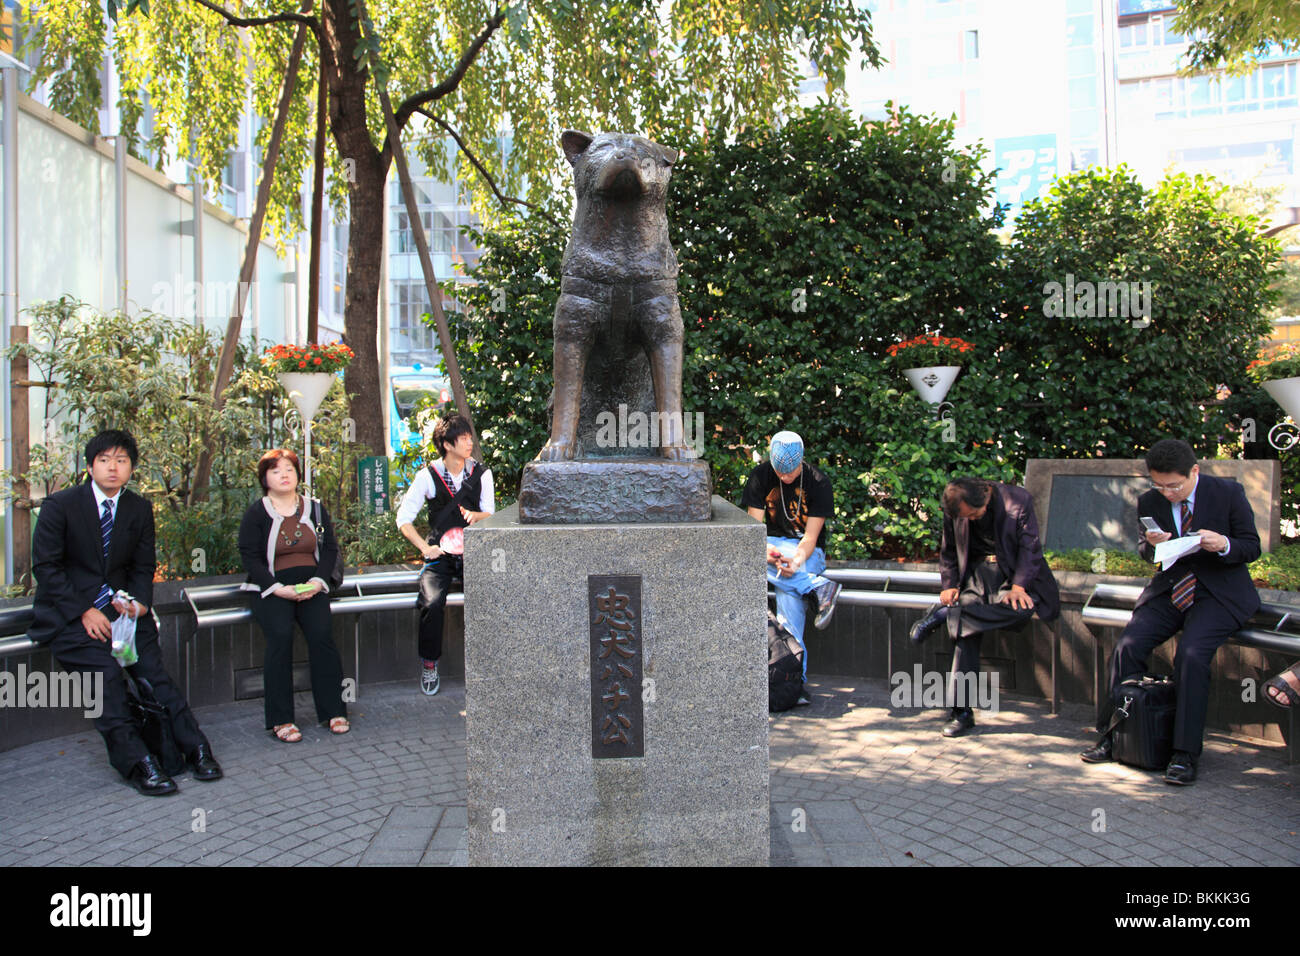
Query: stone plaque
[614,610]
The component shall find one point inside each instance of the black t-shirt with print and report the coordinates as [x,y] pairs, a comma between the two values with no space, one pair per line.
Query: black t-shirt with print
[787,508]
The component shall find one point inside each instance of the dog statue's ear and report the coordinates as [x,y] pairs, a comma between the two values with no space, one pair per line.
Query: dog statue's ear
[669,154]
[575,143]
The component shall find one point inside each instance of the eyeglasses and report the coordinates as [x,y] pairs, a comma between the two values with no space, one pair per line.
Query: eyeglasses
[1171,489]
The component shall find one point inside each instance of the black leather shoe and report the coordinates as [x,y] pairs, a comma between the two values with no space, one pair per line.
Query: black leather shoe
[203,765]
[927,625]
[1181,770]
[962,721]
[147,776]
[1100,752]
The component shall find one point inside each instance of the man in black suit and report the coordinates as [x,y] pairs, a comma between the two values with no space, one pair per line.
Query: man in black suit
[93,541]
[984,519]
[1208,593]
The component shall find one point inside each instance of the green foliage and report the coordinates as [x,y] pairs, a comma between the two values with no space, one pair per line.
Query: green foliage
[1234,34]
[1124,564]
[1109,384]
[147,373]
[1279,569]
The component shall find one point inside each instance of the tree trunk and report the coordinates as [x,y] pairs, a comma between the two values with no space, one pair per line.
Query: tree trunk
[364,378]
[347,114]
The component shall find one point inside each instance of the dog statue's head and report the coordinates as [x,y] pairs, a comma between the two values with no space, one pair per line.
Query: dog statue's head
[618,165]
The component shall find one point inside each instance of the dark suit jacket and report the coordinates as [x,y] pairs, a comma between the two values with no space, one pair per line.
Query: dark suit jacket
[1019,551]
[68,557]
[1221,506]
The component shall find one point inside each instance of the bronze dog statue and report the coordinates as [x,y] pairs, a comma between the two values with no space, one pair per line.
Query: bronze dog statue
[619,282]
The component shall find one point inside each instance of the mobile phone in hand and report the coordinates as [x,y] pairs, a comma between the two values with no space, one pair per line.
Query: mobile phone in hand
[1150,525]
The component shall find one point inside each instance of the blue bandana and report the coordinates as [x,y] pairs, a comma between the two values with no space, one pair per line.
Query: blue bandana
[787,452]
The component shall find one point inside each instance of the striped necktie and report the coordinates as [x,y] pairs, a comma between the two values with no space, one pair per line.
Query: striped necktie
[1182,593]
[106,531]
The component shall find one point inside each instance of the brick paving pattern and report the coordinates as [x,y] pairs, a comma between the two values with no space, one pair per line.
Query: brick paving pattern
[853,783]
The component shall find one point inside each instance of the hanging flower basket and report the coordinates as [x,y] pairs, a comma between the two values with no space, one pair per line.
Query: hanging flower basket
[930,364]
[306,372]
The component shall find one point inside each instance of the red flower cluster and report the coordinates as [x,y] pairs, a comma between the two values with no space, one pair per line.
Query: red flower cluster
[927,350]
[320,358]
[937,341]
[1278,361]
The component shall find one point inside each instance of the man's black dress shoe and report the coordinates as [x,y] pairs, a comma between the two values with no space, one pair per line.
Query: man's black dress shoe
[962,721]
[1181,770]
[203,765]
[147,776]
[927,625]
[1100,752]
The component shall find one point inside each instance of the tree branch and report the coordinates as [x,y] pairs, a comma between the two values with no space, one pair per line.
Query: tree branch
[469,154]
[310,22]
[412,103]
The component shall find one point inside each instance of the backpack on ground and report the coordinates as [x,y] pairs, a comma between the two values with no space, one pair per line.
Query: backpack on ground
[1143,726]
[784,666]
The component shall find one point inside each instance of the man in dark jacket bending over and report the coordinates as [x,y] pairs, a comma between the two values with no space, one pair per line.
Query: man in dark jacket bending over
[983,519]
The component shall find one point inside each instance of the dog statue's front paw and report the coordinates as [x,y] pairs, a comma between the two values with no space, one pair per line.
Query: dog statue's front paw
[556,451]
[678,453]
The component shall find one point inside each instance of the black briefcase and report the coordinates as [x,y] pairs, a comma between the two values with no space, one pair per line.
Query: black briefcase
[1143,725]
[153,723]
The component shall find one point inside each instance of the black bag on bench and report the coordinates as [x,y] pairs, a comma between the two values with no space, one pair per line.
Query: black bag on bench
[1143,726]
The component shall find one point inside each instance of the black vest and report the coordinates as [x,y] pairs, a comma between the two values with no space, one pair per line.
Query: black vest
[471,485]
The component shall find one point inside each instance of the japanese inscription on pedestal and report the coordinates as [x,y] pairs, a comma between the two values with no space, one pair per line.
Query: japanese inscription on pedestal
[617,724]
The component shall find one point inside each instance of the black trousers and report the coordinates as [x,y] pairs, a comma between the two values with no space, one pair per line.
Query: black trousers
[1206,626]
[435,585]
[976,612]
[276,616]
[77,651]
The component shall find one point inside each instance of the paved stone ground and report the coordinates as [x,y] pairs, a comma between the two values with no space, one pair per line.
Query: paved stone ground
[852,783]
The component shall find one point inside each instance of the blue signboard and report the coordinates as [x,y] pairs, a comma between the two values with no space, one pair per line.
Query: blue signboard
[1026,165]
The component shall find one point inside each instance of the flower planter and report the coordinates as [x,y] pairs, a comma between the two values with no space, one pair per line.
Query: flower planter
[933,381]
[307,389]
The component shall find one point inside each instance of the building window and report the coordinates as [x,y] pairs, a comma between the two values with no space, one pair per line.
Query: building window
[972,44]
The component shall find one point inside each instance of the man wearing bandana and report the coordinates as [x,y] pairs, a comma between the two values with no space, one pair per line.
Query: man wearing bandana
[793,499]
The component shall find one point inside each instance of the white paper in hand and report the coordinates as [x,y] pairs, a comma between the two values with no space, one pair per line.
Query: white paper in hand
[1167,552]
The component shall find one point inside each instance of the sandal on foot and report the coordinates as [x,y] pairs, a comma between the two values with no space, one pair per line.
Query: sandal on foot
[339,725]
[289,733]
[1284,689]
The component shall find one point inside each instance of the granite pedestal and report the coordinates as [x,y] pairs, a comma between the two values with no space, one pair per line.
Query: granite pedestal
[536,794]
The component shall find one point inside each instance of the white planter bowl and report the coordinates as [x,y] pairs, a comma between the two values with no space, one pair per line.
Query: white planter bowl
[932,381]
[1286,392]
[307,389]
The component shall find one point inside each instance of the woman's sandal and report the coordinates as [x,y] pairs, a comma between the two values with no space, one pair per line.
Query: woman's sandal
[1284,689]
[289,733]
[339,725]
